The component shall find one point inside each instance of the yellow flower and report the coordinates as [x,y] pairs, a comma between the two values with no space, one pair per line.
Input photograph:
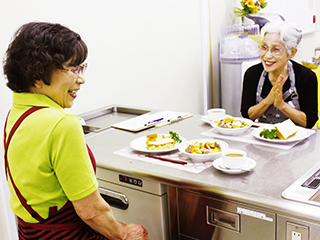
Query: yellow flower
[251,4]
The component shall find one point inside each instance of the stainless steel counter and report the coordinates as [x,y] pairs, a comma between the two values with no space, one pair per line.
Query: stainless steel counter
[275,171]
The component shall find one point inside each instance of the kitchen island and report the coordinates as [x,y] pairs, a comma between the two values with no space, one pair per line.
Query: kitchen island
[241,206]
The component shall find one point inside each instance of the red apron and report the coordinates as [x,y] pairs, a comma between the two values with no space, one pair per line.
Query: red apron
[62,224]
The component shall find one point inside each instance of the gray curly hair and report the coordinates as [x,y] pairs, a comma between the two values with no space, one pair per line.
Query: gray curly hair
[289,35]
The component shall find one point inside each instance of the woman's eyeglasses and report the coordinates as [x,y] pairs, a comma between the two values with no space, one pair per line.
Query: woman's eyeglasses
[79,70]
[274,51]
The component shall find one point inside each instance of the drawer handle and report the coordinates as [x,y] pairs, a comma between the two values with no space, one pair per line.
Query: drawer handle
[220,218]
[115,199]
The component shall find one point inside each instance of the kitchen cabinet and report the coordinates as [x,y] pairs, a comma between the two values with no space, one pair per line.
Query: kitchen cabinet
[236,200]
[136,200]
[204,217]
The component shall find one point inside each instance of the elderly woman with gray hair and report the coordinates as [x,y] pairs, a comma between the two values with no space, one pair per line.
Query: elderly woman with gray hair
[279,88]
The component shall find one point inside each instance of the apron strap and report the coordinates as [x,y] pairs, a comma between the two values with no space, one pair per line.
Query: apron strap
[272,114]
[6,142]
[34,214]
[92,158]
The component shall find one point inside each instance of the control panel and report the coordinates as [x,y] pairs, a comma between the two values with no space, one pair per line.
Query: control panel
[130,180]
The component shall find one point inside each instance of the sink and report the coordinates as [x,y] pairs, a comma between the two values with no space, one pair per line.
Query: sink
[306,188]
[102,119]
[89,129]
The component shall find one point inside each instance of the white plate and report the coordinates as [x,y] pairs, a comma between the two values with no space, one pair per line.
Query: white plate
[203,157]
[218,164]
[300,135]
[205,118]
[139,144]
[232,131]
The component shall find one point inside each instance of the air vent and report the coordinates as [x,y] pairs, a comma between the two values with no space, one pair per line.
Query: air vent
[314,184]
[314,181]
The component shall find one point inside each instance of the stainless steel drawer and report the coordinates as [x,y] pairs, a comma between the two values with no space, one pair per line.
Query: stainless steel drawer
[203,217]
[134,206]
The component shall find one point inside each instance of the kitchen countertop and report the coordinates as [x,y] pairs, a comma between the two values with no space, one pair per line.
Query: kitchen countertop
[275,171]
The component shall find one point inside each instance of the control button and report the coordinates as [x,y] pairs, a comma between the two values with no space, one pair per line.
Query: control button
[130,180]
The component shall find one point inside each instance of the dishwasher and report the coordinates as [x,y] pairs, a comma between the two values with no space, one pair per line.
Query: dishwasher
[132,199]
[136,200]
[205,217]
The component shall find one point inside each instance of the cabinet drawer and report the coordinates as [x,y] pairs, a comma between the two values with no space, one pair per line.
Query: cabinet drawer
[203,217]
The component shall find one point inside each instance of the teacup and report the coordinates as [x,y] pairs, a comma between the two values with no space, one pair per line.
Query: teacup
[234,158]
[216,113]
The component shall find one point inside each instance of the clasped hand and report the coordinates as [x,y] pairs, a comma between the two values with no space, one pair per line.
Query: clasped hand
[275,95]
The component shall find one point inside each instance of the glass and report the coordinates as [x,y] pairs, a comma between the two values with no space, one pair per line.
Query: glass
[274,51]
[79,70]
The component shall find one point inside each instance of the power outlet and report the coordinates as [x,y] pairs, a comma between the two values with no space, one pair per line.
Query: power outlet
[295,236]
[297,232]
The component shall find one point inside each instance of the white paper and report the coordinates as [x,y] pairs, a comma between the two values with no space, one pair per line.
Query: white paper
[146,120]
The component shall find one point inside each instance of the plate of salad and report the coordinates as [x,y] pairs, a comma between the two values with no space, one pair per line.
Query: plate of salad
[200,150]
[271,135]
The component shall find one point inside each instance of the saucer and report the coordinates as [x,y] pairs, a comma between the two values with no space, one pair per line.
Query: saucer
[206,119]
[218,164]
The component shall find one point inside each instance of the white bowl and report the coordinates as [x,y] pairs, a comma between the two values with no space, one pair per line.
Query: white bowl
[203,157]
[234,158]
[232,131]
[215,113]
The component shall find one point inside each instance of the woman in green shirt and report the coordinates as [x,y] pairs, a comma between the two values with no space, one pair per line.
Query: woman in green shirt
[48,164]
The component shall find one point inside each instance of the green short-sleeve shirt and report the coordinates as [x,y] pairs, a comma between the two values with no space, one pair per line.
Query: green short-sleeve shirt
[47,156]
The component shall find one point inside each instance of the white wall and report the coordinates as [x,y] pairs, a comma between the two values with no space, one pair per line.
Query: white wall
[221,14]
[137,48]
[146,53]
[3,220]
[312,40]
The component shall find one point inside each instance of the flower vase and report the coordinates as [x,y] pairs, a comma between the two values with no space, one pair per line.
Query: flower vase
[261,18]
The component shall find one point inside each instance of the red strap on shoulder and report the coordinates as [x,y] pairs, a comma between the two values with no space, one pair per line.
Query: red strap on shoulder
[92,158]
[6,143]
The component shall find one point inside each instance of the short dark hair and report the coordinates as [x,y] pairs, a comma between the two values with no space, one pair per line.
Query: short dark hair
[37,49]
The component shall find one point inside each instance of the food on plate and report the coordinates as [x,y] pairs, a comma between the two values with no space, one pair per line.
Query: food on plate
[281,131]
[270,134]
[230,122]
[175,137]
[158,141]
[203,148]
[286,129]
